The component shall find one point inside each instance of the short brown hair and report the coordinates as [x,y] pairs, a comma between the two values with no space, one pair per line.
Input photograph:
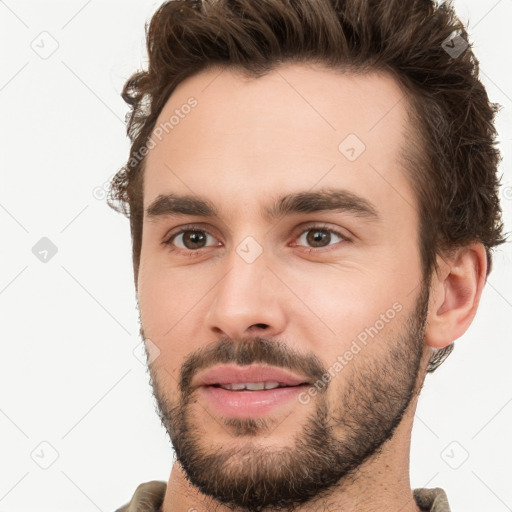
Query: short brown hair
[453,159]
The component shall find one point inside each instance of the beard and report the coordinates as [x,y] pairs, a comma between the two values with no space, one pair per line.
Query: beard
[337,437]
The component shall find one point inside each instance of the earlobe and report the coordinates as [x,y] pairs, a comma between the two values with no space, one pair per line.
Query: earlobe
[455,294]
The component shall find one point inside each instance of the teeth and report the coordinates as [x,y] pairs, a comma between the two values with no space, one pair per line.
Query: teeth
[252,386]
[236,386]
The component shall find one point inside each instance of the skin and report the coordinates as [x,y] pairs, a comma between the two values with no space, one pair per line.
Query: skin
[246,143]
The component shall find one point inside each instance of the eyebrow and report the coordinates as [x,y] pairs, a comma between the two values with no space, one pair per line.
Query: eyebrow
[338,200]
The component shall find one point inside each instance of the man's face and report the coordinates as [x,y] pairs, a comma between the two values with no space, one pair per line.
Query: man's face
[302,260]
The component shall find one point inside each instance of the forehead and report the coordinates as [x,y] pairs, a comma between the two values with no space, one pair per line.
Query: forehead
[233,139]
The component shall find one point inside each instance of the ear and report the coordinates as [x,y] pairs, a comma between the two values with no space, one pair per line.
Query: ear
[455,294]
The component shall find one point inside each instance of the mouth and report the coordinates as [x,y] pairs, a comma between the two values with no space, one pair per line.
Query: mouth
[255,377]
[248,391]
[255,386]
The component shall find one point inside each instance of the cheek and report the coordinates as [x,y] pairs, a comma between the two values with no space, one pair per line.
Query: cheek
[343,309]
[166,294]
[170,305]
[341,296]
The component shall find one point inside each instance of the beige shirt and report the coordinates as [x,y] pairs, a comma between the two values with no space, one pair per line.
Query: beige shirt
[149,497]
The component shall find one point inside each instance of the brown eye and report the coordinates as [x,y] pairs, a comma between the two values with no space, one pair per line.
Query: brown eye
[317,238]
[192,239]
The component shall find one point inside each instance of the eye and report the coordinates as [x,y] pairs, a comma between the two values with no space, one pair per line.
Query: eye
[192,239]
[318,237]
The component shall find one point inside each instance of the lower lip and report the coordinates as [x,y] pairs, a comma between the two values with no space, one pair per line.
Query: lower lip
[248,404]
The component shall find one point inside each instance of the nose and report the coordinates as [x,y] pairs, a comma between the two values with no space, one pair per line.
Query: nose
[245,302]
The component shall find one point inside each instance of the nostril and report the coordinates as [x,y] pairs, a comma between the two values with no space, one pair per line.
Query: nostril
[260,326]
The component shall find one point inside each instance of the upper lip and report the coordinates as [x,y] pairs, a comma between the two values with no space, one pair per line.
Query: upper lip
[229,374]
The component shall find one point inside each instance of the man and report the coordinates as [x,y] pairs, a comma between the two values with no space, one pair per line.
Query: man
[312,196]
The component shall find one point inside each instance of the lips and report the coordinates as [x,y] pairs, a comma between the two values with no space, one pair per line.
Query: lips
[252,377]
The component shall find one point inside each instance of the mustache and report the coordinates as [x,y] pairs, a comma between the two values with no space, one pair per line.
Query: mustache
[245,351]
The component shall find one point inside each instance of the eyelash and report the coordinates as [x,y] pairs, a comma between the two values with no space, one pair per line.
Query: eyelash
[191,252]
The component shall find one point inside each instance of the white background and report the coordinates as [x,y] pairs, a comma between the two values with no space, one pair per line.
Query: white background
[69,377]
